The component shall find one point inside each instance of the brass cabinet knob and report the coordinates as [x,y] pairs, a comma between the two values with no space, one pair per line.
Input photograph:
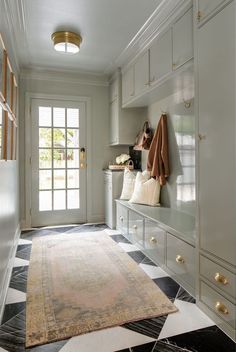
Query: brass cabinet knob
[201,136]
[174,66]
[179,259]
[121,218]
[135,227]
[221,279]
[220,307]
[153,240]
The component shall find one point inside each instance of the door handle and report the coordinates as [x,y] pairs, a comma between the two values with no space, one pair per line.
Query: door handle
[82,157]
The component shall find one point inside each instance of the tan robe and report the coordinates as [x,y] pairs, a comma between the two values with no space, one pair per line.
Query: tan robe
[158,160]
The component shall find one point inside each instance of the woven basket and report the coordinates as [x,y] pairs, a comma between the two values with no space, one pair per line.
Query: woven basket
[129,165]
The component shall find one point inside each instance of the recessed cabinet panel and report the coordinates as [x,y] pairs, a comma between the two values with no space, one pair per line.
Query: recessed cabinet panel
[114,121]
[183,39]
[122,219]
[161,57]
[206,7]
[181,259]
[136,228]
[217,146]
[141,73]
[128,85]
[2,70]
[154,242]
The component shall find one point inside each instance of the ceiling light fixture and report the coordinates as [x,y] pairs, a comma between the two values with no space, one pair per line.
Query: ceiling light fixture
[66,42]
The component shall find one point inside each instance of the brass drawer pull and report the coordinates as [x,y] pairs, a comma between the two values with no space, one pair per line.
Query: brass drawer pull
[221,279]
[179,259]
[135,227]
[221,308]
[153,240]
[121,218]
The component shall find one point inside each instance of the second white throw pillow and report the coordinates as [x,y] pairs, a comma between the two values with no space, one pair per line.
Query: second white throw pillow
[146,191]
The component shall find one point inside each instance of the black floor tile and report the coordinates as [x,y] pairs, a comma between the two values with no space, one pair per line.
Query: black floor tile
[149,327]
[19,278]
[168,286]
[12,310]
[166,346]
[23,251]
[147,347]
[12,334]
[148,261]
[209,339]
[185,296]
[138,256]
[50,347]
[120,238]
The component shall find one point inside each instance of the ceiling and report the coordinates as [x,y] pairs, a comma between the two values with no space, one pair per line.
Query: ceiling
[106,26]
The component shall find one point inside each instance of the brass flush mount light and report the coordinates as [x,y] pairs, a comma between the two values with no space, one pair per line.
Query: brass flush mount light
[66,42]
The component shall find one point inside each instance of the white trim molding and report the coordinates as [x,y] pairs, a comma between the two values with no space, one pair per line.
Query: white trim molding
[65,76]
[26,223]
[7,278]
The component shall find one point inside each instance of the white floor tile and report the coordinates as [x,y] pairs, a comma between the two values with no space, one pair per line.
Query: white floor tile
[188,318]
[107,340]
[20,262]
[153,272]
[2,350]
[128,247]
[24,241]
[112,232]
[15,296]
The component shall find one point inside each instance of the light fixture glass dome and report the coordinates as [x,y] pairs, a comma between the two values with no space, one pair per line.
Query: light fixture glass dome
[66,42]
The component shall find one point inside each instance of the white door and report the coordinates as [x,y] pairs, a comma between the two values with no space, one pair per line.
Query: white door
[58,162]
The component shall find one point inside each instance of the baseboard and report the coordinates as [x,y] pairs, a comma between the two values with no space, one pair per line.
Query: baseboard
[8,272]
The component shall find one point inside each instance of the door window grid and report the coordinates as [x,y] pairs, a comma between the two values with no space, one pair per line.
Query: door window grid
[64,194]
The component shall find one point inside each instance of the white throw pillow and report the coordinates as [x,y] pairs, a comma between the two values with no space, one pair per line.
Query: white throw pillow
[128,184]
[146,191]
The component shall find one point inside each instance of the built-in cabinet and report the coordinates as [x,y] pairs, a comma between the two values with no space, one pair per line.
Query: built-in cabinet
[124,123]
[113,181]
[207,8]
[170,50]
[163,241]
[216,90]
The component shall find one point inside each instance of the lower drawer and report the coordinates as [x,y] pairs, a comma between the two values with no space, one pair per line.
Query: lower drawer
[154,241]
[219,276]
[218,304]
[181,259]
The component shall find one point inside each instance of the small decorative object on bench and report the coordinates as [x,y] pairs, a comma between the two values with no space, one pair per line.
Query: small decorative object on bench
[122,161]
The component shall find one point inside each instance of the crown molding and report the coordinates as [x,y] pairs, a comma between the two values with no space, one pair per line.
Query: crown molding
[65,76]
[160,18]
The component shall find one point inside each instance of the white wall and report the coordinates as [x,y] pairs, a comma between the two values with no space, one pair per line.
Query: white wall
[9,200]
[179,192]
[99,134]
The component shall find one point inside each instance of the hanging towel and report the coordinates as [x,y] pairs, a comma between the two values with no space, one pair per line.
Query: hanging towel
[158,160]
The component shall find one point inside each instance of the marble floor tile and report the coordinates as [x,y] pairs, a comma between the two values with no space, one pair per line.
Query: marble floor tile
[154,272]
[12,310]
[112,232]
[128,247]
[185,296]
[209,339]
[20,262]
[148,347]
[107,340]
[188,318]
[15,296]
[149,327]
[148,261]
[19,278]
[168,286]
[2,350]
[138,256]
[23,251]
[50,347]
[120,239]
[24,241]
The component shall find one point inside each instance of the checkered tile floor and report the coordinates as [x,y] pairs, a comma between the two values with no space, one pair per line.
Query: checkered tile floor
[187,330]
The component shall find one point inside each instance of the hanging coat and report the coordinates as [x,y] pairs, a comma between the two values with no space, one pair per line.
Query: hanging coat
[158,159]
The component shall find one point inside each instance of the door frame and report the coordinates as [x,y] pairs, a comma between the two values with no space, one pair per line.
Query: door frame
[28,147]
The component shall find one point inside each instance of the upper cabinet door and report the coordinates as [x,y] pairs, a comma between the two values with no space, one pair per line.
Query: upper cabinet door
[141,73]
[161,57]
[183,39]
[206,7]
[128,85]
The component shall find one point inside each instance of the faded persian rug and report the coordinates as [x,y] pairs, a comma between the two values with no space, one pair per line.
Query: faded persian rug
[79,283]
